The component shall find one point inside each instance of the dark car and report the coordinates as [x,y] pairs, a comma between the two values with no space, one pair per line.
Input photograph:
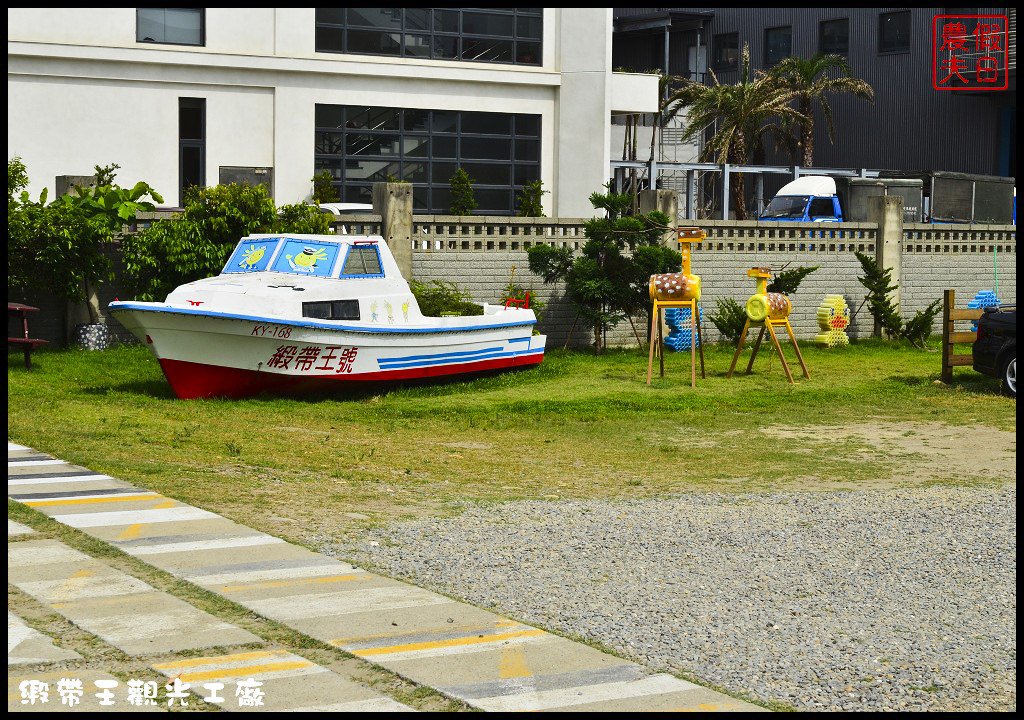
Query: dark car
[995,350]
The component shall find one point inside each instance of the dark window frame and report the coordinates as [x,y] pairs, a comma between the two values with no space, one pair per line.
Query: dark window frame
[191,144]
[525,49]
[441,135]
[767,60]
[881,25]
[202,29]
[821,36]
[716,43]
[336,309]
[361,247]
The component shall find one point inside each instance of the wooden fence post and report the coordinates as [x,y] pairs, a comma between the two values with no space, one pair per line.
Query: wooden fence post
[950,337]
[948,298]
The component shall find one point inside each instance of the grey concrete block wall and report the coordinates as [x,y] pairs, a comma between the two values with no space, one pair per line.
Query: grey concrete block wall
[927,275]
[483,264]
[723,274]
[484,275]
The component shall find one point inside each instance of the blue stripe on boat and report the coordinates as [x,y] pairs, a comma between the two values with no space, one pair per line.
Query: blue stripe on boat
[524,339]
[115,306]
[396,363]
[439,355]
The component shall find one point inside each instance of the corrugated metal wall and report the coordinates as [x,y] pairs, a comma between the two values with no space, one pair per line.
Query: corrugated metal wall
[910,125]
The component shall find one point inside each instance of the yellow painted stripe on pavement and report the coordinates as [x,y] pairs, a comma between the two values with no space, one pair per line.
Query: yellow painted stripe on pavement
[74,584]
[453,642]
[84,501]
[513,664]
[131,532]
[219,660]
[244,671]
[298,581]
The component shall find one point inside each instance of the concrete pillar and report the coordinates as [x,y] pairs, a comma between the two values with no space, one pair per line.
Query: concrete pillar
[887,212]
[582,147]
[393,202]
[666,201]
[65,183]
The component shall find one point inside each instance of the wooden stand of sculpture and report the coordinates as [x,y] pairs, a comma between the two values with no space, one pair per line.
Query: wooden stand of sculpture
[767,310]
[677,290]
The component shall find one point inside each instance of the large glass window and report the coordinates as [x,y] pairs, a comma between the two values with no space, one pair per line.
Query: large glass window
[778,44]
[495,35]
[170,26]
[894,32]
[362,145]
[834,38]
[727,51]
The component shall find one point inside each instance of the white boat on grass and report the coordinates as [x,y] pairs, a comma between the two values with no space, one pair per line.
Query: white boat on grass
[316,312]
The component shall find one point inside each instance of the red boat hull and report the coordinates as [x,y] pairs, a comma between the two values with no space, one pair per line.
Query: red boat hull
[197,380]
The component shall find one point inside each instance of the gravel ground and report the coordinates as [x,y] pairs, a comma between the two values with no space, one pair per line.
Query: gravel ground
[894,599]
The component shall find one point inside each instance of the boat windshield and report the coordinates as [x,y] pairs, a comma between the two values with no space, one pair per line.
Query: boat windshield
[785,207]
[296,256]
[252,255]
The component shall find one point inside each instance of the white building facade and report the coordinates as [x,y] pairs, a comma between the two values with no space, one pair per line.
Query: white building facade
[196,96]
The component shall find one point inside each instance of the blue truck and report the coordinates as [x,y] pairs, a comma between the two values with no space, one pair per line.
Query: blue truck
[935,197]
[820,198]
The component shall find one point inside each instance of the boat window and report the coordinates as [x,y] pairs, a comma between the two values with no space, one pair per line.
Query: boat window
[331,310]
[362,261]
[306,257]
[251,256]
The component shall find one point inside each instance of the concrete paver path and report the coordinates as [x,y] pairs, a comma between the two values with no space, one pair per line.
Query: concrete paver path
[488,661]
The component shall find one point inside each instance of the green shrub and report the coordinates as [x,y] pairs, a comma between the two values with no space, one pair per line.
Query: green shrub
[729,319]
[463,199]
[884,311]
[302,218]
[530,201]
[324,190]
[440,297]
[787,281]
[515,291]
[58,247]
[879,285]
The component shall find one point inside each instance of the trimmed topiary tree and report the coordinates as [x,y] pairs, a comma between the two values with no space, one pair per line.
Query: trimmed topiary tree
[463,199]
[605,284]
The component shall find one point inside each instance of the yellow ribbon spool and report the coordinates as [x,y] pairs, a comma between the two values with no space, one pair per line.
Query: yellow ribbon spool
[674,286]
[775,306]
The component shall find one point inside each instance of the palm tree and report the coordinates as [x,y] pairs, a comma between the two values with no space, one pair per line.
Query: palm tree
[810,79]
[742,113]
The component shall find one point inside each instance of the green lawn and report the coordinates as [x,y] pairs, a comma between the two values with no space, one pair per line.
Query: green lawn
[577,426]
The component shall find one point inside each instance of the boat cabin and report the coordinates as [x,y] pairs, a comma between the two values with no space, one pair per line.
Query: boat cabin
[323,277]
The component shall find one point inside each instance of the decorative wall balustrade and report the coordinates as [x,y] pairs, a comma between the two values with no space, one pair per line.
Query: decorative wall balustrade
[928,238]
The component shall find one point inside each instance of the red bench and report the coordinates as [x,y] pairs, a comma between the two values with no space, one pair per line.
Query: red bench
[27,343]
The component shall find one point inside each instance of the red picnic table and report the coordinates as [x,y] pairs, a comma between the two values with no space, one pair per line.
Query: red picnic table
[27,343]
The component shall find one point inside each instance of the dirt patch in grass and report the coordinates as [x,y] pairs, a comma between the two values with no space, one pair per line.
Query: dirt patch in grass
[926,452]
